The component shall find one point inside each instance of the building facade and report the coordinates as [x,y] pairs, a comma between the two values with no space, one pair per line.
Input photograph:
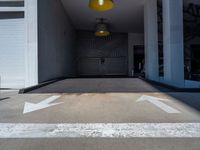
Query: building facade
[40,41]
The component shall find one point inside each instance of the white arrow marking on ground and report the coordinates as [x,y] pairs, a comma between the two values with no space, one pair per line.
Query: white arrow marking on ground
[157,102]
[30,107]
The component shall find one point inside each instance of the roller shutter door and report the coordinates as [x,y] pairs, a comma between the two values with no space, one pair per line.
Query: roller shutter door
[12,53]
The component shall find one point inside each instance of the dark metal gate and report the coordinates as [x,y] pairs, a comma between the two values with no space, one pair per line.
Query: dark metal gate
[102,56]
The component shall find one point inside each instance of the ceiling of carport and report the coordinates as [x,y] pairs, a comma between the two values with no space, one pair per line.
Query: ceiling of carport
[127,16]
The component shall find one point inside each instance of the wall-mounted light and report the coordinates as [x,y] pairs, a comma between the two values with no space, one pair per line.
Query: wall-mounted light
[101,5]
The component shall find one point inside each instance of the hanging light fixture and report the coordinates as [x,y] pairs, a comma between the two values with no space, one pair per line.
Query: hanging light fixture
[101,5]
[102,29]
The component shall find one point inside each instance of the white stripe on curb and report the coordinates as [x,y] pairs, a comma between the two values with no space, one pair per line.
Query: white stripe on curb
[130,130]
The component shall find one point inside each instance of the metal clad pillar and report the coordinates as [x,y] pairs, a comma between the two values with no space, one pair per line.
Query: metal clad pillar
[151,40]
[173,42]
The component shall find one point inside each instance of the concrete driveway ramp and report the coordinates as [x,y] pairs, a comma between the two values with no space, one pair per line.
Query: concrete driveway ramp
[101,85]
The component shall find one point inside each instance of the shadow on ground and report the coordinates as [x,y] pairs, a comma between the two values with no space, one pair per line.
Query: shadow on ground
[5,98]
[190,99]
[98,85]
[118,85]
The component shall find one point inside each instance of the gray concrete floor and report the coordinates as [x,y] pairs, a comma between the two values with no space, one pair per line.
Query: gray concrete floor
[98,108]
[109,107]
[100,85]
[100,144]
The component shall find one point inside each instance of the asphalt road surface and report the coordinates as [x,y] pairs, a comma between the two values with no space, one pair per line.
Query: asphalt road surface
[149,120]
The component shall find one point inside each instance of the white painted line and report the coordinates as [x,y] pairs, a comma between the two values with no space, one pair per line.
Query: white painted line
[157,102]
[30,107]
[130,130]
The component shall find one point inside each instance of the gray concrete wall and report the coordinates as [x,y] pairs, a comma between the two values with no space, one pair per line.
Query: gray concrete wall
[56,41]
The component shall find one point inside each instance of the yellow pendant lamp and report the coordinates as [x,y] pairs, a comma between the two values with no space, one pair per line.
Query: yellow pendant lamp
[102,30]
[101,5]
[102,33]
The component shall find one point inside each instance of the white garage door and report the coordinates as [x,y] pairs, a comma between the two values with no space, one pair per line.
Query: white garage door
[12,53]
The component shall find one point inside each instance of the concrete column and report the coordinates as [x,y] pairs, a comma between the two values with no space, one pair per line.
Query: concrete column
[173,42]
[151,40]
[31,52]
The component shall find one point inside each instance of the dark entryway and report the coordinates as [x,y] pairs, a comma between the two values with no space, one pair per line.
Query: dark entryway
[102,56]
[138,60]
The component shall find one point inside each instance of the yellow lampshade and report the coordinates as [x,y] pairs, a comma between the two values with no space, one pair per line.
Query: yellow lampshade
[102,33]
[101,5]
[102,30]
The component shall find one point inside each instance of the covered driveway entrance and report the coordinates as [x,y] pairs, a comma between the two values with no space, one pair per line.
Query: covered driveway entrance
[101,85]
